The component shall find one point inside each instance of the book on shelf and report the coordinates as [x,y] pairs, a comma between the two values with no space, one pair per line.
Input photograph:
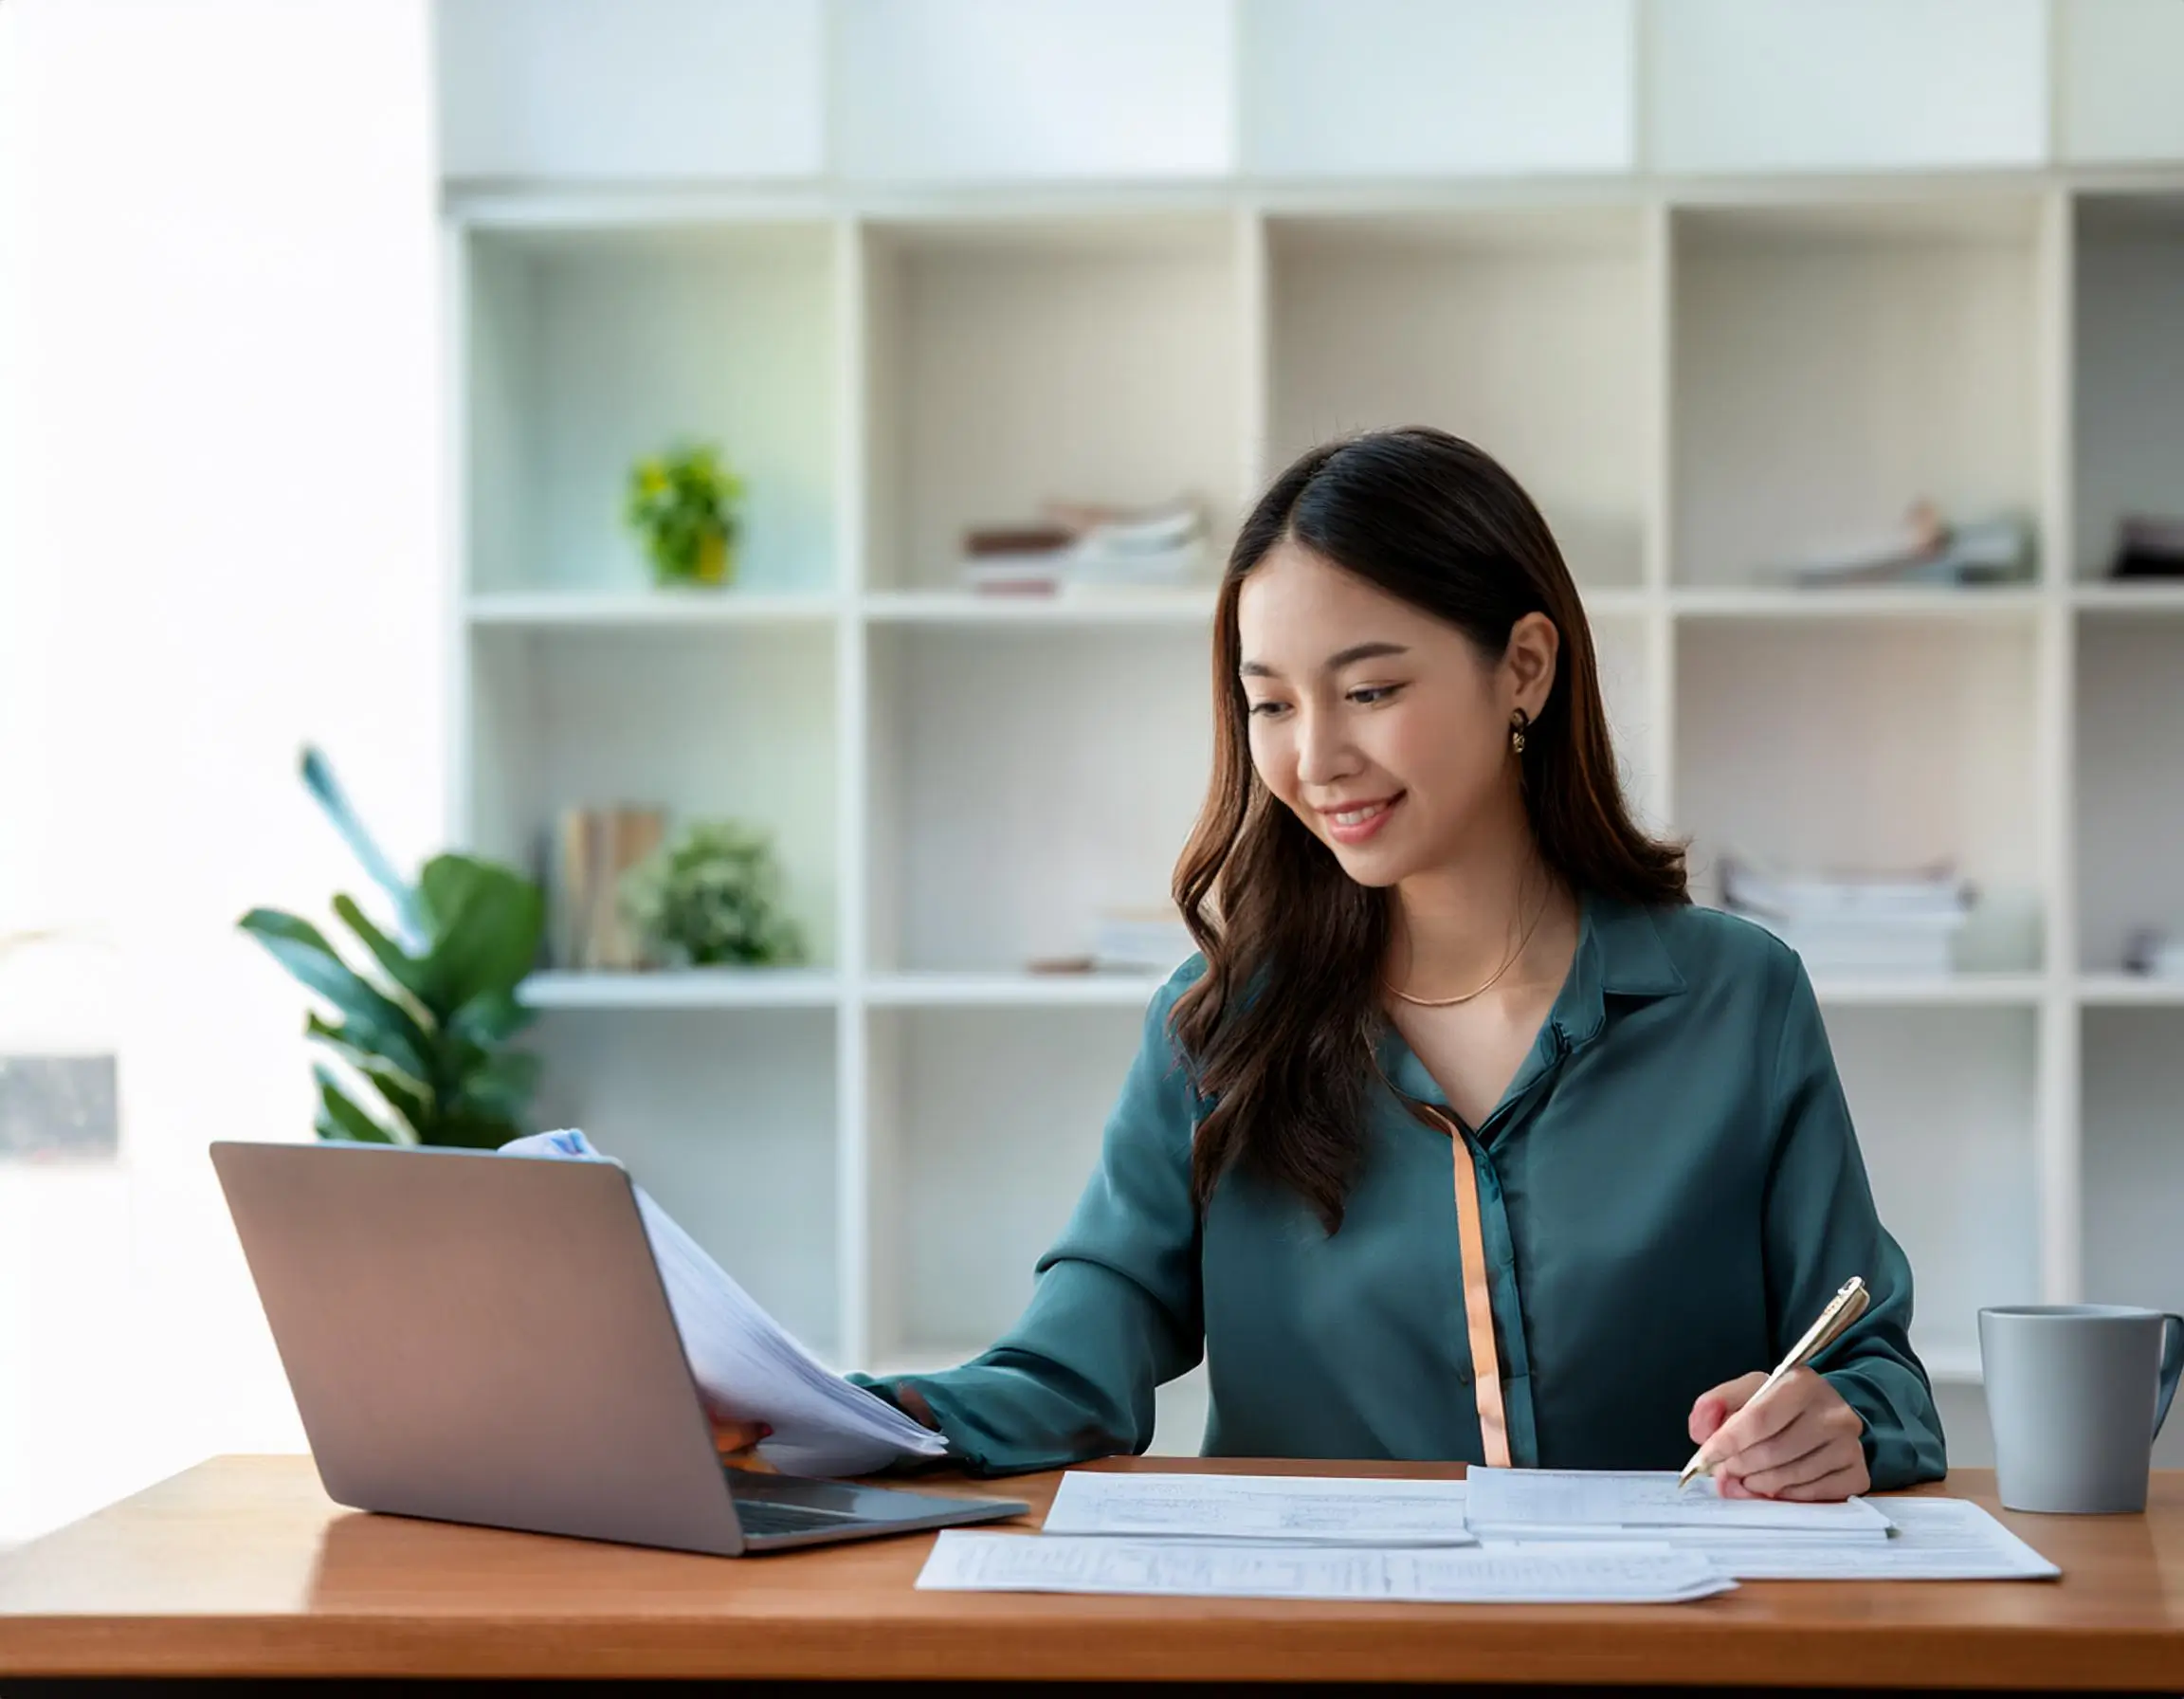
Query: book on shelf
[592,849]
[1897,925]
[1083,547]
[1148,940]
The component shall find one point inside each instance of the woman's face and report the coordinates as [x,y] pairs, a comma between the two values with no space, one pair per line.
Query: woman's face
[1384,729]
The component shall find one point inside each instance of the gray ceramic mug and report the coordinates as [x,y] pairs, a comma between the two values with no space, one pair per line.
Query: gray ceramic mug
[2075,1393]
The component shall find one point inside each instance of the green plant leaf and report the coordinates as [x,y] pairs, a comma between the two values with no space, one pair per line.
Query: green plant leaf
[375,1021]
[488,919]
[476,1132]
[501,1086]
[409,1097]
[491,1019]
[350,1121]
[318,778]
[404,1098]
[401,967]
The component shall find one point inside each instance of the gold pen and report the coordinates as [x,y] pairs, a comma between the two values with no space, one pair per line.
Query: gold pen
[1844,1308]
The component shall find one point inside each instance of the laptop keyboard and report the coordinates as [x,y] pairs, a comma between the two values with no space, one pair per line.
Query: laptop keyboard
[759,1517]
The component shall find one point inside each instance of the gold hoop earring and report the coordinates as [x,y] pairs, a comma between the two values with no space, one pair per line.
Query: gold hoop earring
[1519,719]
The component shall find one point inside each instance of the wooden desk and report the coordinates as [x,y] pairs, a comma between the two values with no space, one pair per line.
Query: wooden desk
[243,1566]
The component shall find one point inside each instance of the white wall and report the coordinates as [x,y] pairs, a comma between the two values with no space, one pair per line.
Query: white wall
[226,539]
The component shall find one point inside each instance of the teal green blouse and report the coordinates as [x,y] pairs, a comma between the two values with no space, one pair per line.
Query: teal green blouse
[1671,1192]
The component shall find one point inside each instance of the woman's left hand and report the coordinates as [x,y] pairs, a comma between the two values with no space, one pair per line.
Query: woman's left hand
[1801,1441]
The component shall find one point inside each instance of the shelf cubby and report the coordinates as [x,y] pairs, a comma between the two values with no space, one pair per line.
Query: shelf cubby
[1943,1099]
[589,348]
[1833,363]
[1010,362]
[713,722]
[727,1118]
[2127,412]
[2130,784]
[1525,331]
[2132,1164]
[1913,743]
[1000,823]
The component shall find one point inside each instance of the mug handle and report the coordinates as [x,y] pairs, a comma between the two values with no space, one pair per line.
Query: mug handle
[2172,1366]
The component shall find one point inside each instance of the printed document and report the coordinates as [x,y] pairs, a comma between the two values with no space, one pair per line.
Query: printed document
[965,1560]
[1306,1510]
[747,1366]
[1935,1539]
[1570,1504]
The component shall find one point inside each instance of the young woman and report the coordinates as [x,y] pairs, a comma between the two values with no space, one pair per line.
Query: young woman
[1467,1136]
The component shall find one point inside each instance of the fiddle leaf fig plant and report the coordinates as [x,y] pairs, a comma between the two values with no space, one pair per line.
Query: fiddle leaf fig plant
[424,1020]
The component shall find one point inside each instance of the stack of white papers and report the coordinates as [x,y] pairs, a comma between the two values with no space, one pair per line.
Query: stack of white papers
[748,1367]
[1569,1503]
[1304,1509]
[1543,1514]
[968,1562]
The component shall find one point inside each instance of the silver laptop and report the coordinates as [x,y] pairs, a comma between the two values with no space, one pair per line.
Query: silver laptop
[485,1339]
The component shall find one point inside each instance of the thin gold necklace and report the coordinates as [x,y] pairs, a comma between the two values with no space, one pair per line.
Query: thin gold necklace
[1466,996]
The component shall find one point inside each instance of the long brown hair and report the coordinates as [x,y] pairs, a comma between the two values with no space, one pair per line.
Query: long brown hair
[1281,1027]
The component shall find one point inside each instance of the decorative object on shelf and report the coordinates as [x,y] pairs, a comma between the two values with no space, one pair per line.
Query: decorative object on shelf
[2155,952]
[2148,547]
[1924,548]
[1899,924]
[595,849]
[1084,545]
[682,503]
[430,1033]
[712,897]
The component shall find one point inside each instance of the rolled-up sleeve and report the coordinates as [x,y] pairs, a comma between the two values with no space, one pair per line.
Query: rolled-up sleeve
[1116,1308]
[1822,1228]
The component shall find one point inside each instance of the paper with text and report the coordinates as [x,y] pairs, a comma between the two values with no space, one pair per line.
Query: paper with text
[1570,1504]
[979,1562]
[1303,1508]
[1935,1539]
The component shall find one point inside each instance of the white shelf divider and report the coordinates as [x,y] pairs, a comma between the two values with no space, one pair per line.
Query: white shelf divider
[2130,597]
[1012,991]
[2128,990]
[683,988]
[1761,602]
[2055,1081]
[1960,991]
[674,609]
[1190,607]
[860,1150]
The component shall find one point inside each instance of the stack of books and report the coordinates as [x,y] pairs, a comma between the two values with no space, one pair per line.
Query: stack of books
[1143,940]
[1082,547]
[1860,926]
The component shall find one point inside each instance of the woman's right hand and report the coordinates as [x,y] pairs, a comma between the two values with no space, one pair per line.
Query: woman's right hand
[737,1443]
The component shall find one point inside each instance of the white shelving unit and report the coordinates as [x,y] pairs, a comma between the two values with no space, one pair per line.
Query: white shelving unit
[1694,374]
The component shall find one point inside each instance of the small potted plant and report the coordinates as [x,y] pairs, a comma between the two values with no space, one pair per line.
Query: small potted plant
[683,504]
[712,897]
